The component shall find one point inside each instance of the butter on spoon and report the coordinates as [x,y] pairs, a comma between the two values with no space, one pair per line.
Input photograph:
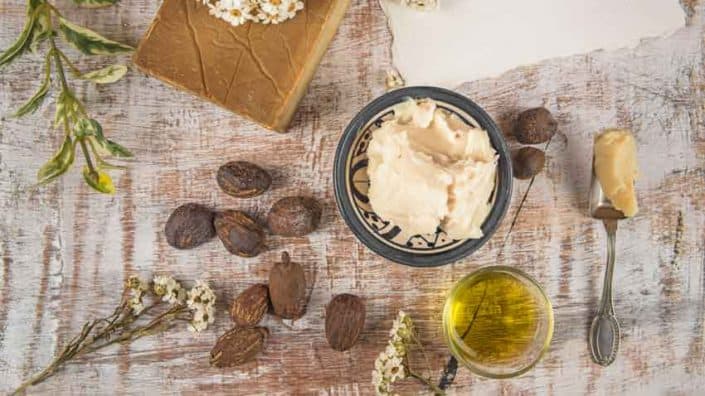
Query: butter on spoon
[612,198]
[616,168]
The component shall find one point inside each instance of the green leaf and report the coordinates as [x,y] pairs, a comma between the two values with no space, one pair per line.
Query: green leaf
[20,44]
[67,108]
[35,101]
[90,42]
[106,75]
[117,150]
[41,31]
[107,165]
[92,129]
[87,127]
[32,5]
[95,3]
[99,180]
[58,164]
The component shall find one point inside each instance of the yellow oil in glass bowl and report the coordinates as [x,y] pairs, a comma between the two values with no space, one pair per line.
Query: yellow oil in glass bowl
[498,322]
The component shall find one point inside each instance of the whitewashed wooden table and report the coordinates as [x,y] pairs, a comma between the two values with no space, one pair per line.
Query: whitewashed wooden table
[66,251]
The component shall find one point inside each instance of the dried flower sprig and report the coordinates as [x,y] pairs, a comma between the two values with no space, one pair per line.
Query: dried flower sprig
[239,12]
[393,363]
[145,309]
[43,25]
[422,5]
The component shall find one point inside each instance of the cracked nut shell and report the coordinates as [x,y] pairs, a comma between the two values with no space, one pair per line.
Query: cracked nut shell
[535,126]
[240,233]
[239,345]
[243,179]
[189,225]
[287,289]
[345,319]
[250,306]
[528,162]
[294,216]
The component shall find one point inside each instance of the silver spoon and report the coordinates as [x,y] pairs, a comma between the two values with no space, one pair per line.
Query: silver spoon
[604,332]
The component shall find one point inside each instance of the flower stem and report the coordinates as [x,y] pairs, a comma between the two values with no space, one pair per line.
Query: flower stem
[451,368]
[436,390]
[70,351]
[118,321]
[59,64]
[75,70]
[89,162]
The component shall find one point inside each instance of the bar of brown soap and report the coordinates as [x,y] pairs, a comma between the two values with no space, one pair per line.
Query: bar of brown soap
[258,71]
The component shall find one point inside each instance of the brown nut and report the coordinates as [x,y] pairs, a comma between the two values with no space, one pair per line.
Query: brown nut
[189,225]
[345,319]
[535,126]
[250,306]
[528,162]
[240,233]
[243,179]
[294,216]
[287,289]
[239,345]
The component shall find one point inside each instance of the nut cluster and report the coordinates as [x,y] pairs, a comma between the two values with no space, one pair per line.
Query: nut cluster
[192,224]
[285,293]
[533,126]
[286,296]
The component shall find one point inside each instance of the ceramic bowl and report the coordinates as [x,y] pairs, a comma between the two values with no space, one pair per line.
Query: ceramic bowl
[352,183]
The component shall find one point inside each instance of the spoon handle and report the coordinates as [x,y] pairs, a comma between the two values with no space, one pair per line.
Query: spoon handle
[604,332]
[606,300]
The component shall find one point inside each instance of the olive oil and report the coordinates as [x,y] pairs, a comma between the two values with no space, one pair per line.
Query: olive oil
[498,322]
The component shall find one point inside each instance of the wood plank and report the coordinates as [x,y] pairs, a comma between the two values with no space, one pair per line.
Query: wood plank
[66,250]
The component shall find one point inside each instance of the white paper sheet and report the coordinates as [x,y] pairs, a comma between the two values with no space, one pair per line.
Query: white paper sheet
[466,40]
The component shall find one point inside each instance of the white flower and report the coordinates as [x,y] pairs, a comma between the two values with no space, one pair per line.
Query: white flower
[136,305]
[238,12]
[201,300]
[280,10]
[389,366]
[201,319]
[216,10]
[169,289]
[393,80]
[135,283]
[402,328]
[422,5]
[200,295]
[137,288]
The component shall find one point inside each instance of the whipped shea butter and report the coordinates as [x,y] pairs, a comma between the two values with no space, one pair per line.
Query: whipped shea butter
[428,168]
[616,168]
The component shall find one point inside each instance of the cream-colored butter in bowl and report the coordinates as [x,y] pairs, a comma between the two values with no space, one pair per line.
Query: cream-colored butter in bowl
[401,209]
[429,169]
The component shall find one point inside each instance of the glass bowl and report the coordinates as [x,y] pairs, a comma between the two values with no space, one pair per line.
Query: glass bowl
[498,322]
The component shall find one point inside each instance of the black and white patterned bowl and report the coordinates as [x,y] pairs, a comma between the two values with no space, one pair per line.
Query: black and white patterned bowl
[352,183]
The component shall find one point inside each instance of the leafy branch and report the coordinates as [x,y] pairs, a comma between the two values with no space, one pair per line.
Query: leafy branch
[43,25]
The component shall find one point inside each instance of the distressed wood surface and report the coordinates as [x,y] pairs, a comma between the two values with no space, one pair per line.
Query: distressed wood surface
[66,251]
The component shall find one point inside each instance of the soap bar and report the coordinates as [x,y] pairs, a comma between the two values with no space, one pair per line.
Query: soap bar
[616,168]
[258,71]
